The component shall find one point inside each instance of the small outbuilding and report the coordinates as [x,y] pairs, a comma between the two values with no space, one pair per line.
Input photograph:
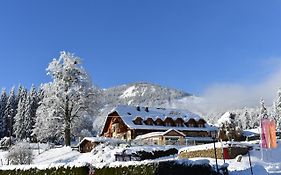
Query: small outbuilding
[169,137]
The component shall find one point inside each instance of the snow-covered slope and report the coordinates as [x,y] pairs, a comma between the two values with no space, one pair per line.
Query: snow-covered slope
[143,94]
[104,155]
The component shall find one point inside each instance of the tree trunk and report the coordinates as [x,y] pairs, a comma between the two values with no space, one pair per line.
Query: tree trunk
[67,135]
[67,123]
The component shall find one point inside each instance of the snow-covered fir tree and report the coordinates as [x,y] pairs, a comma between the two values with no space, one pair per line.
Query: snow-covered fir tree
[49,123]
[10,112]
[277,109]
[66,99]
[263,110]
[247,120]
[30,112]
[3,103]
[19,127]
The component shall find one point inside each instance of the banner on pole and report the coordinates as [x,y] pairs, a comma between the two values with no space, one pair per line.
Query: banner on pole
[268,133]
[272,130]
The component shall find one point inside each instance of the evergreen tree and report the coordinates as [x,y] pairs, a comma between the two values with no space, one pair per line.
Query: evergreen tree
[19,127]
[247,120]
[263,110]
[30,111]
[3,103]
[10,112]
[277,109]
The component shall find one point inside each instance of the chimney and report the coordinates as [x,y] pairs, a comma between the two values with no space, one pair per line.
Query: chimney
[146,109]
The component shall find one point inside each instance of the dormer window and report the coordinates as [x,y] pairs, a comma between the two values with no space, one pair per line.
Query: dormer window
[149,121]
[179,122]
[191,123]
[201,123]
[137,121]
[169,121]
[158,122]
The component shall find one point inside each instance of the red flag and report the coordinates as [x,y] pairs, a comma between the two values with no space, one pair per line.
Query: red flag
[265,134]
[272,130]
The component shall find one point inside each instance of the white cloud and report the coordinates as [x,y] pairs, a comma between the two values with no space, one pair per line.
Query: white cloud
[229,96]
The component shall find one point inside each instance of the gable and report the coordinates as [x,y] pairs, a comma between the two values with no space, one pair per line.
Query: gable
[173,133]
[108,121]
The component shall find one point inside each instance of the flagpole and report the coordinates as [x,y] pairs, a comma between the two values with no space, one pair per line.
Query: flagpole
[261,139]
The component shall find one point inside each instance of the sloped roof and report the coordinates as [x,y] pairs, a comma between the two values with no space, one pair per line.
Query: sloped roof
[225,118]
[129,113]
[155,134]
[101,140]
[252,132]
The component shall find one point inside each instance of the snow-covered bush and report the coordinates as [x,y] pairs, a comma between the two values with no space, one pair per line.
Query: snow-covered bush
[228,128]
[6,142]
[20,154]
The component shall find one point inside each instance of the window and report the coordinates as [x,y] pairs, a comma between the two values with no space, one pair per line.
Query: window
[172,141]
[200,125]
[179,124]
[191,125]
[115,127]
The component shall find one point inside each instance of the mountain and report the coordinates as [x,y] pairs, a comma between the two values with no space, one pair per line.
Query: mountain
[138,94]
[152,95]
[142,94]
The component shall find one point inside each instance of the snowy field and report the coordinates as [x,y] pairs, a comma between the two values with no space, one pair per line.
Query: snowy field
[104,155]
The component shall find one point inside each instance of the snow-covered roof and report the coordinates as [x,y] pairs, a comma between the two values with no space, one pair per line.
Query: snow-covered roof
[101,140]
[130,113]
[225,118]
[251,132]
[211,146]
[156,134]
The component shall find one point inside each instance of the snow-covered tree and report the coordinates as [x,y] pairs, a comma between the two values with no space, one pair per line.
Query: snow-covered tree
[66,99]
[247,120]
[20,130]
[9,113]
[31,106]
[49,122]
[3,103]
[20,154]
[263,110]
[277,109]
[229,129]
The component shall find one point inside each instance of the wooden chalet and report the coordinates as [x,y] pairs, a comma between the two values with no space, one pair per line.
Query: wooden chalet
[128,122]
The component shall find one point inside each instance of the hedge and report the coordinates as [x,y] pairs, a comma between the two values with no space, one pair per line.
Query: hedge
[143,155]
[51,171]
[161,168]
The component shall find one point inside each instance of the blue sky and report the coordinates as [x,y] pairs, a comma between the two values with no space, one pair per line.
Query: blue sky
[189,45]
